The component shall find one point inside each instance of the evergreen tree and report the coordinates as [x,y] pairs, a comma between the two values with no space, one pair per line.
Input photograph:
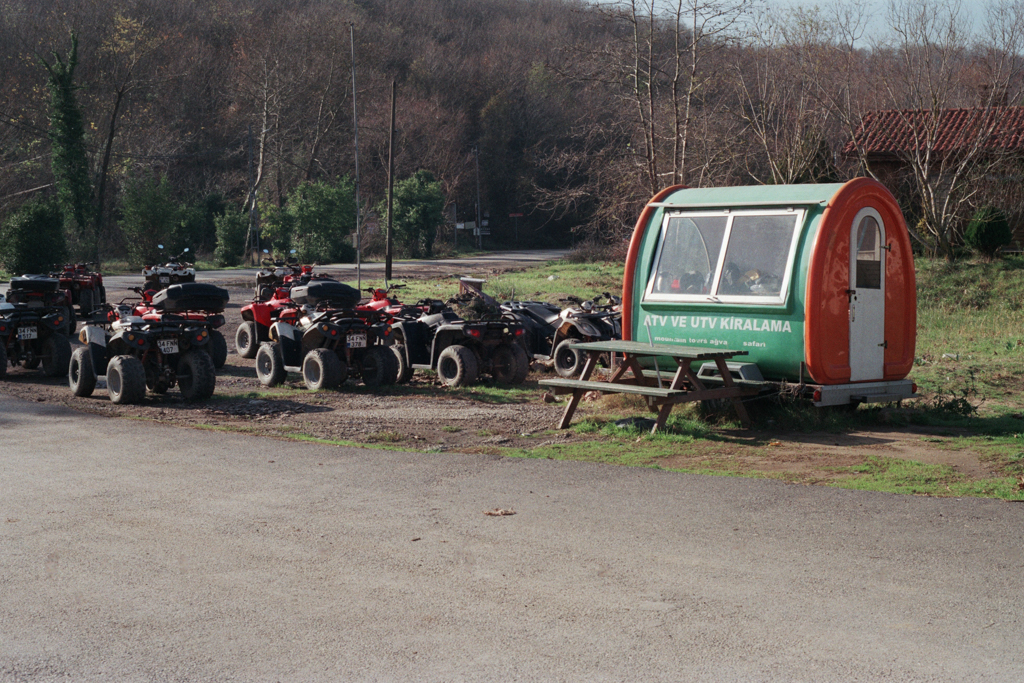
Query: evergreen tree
[69,161]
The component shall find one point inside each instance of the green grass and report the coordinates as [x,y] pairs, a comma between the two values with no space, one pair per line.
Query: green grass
[583,280]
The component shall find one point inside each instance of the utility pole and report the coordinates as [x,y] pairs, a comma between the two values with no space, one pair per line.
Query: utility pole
[355,129]
[391,184]
[479,235]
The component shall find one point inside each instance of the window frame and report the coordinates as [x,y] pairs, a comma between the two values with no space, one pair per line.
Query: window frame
[799,214]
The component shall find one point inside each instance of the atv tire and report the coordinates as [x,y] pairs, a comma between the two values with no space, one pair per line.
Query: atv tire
[522,364]
[196,375]
[504,366]
[56,355]
[3,362]
[218,349]
[72,320]
[81,373]
[378,367]
[457,366]
[85,303]
[247,340]
[322,369]
[568,361]
[404,369]
[126,380]
[103,294]
[270,364]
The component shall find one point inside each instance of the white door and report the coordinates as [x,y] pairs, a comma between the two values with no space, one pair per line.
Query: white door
[867,296]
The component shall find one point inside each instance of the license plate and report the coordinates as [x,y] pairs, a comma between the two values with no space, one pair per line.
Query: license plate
[357,341]
[33,333]
[167,345]
[165,279]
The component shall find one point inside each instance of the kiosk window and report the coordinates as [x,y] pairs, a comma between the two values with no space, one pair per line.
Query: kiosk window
[689,255]
[739,257]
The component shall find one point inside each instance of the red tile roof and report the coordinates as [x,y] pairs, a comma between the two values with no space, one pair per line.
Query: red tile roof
[891,132]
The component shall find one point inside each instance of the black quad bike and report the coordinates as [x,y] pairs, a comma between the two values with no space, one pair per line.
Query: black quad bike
[33,333]
[157,351]
[43,291]
[459,350]
[327,340]
[551,333]
[171,273]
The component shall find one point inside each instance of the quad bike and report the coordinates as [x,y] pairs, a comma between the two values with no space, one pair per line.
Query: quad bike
[380,299]
[553,332]
[327,341]
[200,294]
[264,309]
[41,291]
[157,351]
[84,286]
[34,335]
[171,273]
[459,350]
[273,275]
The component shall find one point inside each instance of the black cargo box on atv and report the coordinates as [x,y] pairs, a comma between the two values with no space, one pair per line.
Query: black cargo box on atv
[326,291]
[34,283]
[191,296]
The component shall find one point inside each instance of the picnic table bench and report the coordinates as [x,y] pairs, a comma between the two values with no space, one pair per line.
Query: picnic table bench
[685,386]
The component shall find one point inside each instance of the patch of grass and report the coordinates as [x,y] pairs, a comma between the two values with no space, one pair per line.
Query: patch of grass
[891,475]
[384,436]
[451,429]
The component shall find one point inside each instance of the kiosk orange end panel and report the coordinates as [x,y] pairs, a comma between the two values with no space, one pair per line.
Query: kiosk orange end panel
[629,277]
[827,328]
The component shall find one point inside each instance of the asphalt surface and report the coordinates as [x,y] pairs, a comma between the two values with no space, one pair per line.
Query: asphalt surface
[373,273]
[133,551]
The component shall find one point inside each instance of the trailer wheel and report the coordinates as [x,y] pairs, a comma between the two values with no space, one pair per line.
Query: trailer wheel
[81,373]
[322,369]
[270,364]
[568,361]
[247,339]
[457,366]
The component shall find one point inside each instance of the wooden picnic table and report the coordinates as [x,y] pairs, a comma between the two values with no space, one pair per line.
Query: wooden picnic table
[685,386]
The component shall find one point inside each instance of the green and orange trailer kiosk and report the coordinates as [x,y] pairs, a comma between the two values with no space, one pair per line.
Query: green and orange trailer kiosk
[814,282]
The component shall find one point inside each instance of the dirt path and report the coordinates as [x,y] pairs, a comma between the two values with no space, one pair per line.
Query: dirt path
[425,416]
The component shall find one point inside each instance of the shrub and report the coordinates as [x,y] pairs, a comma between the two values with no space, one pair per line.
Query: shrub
[418,210]
[232,227]
[149,216]
[987,231]
[32,238]
[323,215]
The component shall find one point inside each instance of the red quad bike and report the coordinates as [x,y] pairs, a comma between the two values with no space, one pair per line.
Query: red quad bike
[200,292]
[32,331]
[327,341]
[157,351]
[259,315]
[171,273]
[85,286]
[40,291]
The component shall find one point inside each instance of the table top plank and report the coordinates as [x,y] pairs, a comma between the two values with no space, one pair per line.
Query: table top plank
[645,349]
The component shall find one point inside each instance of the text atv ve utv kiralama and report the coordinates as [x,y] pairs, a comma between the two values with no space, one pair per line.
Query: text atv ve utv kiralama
[157,351]
[327,341]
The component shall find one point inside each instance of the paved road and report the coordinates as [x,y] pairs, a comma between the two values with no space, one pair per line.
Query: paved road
[374,272]
[132,551]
